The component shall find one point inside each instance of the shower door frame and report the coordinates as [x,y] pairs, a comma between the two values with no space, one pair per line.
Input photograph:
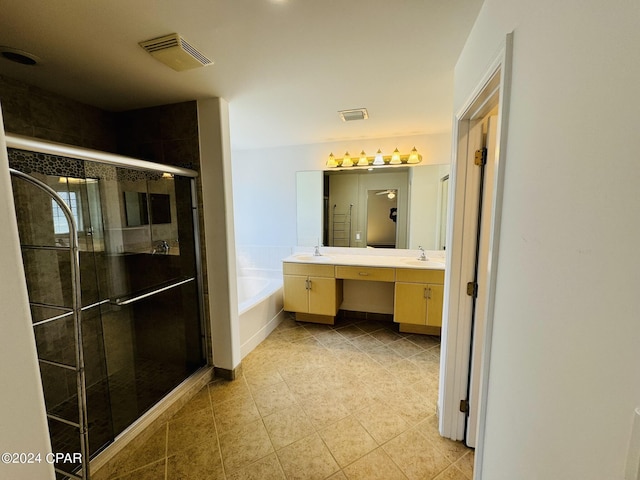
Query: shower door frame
[83,423]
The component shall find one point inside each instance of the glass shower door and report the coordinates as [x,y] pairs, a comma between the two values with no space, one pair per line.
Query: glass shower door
[152,321]
[140,300]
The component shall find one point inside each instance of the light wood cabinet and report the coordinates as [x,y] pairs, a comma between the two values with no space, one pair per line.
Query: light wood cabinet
[311,291]
[314,293]
[371,274]
[419,297]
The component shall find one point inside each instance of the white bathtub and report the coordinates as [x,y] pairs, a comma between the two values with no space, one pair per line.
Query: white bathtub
[259,306]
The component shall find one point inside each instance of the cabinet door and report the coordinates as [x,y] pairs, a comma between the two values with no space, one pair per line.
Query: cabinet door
[322,296]
[434,305]
[410,303]
[296,296]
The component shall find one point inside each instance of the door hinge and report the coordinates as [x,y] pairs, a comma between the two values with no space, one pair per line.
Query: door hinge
[464,406]
[472,289]
[481,157]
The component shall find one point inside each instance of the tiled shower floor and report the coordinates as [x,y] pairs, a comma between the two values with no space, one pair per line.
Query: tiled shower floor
[350,401]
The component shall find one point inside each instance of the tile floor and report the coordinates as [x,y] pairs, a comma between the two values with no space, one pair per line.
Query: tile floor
[350,401]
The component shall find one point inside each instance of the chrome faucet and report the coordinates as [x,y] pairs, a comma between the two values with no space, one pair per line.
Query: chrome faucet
[422,257]
[316,252]
[161,247]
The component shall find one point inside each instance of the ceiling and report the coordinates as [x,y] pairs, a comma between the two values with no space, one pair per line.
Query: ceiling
[285,66]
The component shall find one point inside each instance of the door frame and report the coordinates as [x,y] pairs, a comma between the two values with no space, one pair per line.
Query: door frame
[456,333]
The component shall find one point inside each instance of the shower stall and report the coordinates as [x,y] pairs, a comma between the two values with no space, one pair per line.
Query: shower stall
[123,331]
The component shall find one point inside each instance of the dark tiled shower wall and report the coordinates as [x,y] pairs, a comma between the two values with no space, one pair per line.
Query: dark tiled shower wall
[165,134]
[34,112]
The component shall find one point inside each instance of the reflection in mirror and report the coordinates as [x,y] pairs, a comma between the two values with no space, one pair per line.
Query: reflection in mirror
[136,208]
[382,209]
[422,194]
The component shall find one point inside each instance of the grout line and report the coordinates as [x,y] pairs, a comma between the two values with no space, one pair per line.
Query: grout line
[166,450]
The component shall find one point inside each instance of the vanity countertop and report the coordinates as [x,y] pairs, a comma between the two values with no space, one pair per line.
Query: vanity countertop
[390,261]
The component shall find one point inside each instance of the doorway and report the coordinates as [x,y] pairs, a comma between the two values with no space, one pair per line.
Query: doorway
[472,253]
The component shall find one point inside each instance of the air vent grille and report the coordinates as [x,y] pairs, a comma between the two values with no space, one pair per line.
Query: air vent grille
[194,53]
[353,114]
[175,52]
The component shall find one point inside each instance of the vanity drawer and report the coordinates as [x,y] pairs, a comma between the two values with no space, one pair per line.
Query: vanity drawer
[373,274]
[415,275]
[308,269]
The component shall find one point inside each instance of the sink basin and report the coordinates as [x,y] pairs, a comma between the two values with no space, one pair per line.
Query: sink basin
[313,258]
[431,262]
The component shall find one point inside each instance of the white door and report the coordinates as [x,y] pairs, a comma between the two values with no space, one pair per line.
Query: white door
[485,209]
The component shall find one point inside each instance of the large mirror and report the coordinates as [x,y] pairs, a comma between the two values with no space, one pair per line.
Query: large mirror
[403,207]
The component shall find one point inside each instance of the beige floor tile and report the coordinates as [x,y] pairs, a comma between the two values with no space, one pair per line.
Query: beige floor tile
[273,398]
[428,388]
[155,471]
[366,342]
[452,450]
[127,460]
[189,430]
[196,462]
[411,406]
[244,445]
[293,334]
[465,464]
[262,376]
[381,423]
[267,468]
[286,324]
[235,412]
[385,355]
[200,401]
[424,341]
[405,348]
[376,465]
[287,426]
[416,456]
[347,440]
[307,459]
[223,390]
[452,473]
[329,338]
[311,398]
[405,371]
[323,413]
[385,336]
[338,476]
[350,331]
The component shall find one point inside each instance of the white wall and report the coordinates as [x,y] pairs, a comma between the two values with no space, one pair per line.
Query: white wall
[564,370]
[222,291]
[264,181]
[22,413]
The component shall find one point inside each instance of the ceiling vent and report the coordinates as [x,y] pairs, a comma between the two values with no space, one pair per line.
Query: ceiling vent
[175,52]
[353,114]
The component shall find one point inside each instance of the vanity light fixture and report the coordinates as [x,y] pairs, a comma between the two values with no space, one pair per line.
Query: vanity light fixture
[378,160]
[395,157]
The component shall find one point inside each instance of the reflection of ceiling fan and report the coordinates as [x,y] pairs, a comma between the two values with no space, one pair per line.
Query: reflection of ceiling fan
[391,194]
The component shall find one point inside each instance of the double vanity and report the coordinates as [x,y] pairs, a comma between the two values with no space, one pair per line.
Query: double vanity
[314,287]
